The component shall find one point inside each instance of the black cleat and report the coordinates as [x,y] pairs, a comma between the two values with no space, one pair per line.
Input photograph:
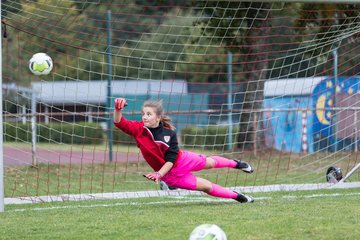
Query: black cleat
[165,187]
[242,198]
[246,167]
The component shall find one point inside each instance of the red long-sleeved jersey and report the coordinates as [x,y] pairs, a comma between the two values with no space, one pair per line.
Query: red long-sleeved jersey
[157,145]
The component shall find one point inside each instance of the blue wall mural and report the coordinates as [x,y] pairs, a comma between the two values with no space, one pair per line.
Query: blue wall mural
[325,118]
[285,129]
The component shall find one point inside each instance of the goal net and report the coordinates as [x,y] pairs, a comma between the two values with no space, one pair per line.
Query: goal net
[275,84]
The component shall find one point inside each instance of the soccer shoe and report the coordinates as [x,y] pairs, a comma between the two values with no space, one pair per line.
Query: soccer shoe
[244,198]
[246,167]
[165,187]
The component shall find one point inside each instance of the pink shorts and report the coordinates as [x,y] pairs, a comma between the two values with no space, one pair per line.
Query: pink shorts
[180,176]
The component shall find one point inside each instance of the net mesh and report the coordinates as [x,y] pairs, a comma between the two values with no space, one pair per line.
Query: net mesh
[275,84]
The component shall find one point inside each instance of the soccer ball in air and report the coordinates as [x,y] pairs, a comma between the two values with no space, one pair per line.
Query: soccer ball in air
[208,232]
[40,64]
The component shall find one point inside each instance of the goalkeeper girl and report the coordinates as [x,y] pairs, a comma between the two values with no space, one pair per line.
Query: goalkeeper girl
[157,140]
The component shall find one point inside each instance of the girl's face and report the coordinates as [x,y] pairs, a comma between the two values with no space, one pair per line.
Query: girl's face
[149,117]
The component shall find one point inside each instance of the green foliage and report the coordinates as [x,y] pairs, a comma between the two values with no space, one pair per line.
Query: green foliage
[18,133]
[119,137]
[327,22]
[74,35]
[156,55]
[213,137]
[42,31]
[165,41]
[13,6]
[231,21]
[80,133]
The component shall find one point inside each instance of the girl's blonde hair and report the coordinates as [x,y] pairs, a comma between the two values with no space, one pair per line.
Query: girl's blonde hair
[159,111]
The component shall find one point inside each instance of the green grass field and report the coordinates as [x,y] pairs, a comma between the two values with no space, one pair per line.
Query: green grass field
[55,179]
[325,214]
[320,214]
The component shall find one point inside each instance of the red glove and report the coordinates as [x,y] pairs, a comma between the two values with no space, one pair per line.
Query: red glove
[120,103]
[156,176]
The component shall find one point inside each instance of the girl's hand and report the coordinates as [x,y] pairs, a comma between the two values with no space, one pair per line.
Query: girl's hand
[156,176]
[120,103]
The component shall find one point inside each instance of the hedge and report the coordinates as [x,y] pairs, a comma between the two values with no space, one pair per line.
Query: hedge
[79,133]
[213,137]
[92,133]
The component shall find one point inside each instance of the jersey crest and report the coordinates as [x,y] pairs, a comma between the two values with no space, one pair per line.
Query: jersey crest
[167,138]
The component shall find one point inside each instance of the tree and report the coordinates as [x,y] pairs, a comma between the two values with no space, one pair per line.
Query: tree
[332,24]
[34,30]
[74,34]
[238,25]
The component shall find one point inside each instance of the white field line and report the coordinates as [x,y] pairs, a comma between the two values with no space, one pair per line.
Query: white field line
[183,200]
[176,193]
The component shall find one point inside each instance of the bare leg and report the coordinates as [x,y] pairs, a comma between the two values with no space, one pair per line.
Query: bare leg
[210,163]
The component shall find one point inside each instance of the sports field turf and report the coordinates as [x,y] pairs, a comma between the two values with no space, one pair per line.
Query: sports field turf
[320,214]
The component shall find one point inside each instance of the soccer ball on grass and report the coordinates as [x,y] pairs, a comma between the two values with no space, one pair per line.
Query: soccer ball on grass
[208,232]
[40,64]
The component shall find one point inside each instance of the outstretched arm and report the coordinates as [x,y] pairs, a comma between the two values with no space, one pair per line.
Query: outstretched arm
[117,115]
[156,176]
[166,168]
[119,104]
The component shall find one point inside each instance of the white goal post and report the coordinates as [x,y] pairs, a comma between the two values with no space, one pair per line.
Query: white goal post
[1,134]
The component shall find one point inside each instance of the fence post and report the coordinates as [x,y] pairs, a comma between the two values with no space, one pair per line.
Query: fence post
[33,128]
[355,132]
[255,132]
